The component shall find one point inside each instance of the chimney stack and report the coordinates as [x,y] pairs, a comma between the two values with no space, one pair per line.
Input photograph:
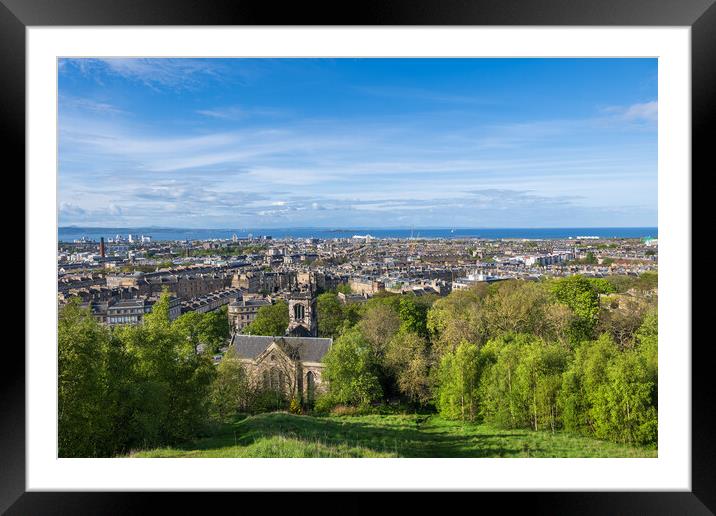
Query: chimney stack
[101,247]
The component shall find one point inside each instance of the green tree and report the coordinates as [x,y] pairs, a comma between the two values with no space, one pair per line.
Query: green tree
[585,374]
[521,383]
[231,390]
[539,378]
[134,386]
[645,282]
[414,314]
[648,281]
[502,402]
[330,315]
[407,360]
[647,337]
[602,285]
[379,324]
[609,393]
[621,283]
[458,378]
[516,307]
[350,369]
[621,317]
[83,422]
[174,379]
[622,406]
[270,320]
[190,326]
[581,296]
[456,317]
[216,329]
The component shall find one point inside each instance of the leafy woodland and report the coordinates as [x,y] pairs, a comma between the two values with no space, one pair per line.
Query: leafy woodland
[133,386]
[575,354]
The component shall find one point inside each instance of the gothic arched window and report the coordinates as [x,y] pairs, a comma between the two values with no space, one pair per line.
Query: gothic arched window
[267,381]
[274,379]
[299,312]
[310,386]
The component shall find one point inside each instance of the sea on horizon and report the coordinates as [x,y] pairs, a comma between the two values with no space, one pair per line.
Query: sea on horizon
[72,233]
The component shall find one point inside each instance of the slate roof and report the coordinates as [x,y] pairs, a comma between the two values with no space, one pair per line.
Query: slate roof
[298,331]
[309,349]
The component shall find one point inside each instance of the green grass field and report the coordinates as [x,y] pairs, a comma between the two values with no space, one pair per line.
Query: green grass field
[286,435]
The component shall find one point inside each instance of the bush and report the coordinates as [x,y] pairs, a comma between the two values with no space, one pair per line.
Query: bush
[267,401]
[346,410]
[230,391]
[295,406]
[324,404]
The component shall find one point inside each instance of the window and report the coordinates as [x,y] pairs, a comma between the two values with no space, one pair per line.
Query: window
[298,312]
[310,386]
[274,379]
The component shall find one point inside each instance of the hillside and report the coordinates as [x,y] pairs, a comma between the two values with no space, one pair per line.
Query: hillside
[286,435]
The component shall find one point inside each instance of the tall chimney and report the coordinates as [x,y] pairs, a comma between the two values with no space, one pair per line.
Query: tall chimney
[101,246]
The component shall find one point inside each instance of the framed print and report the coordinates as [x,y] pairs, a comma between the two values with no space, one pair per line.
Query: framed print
[414,249]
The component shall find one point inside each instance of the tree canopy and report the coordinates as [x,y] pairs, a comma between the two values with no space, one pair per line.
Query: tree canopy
[130,386]
[270,320]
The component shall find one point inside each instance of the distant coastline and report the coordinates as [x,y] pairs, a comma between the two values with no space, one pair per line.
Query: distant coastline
[71,233]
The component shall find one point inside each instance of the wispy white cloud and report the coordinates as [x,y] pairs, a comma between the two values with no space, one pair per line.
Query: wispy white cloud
[424,94]
[367,172]
[158,74]
[87,104]
[234,113]
[639,112]
[648,111]
[225,113]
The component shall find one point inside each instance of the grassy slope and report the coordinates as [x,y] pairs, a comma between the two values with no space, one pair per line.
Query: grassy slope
[286,435]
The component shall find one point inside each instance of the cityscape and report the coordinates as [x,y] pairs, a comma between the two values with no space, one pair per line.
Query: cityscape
[126,273]
[357,258]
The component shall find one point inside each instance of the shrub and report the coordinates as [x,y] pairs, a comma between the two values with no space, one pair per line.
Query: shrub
[324,404]
[295,406]
[267,401]
[345,410]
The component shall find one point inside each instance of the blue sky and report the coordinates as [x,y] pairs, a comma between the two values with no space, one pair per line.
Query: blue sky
[261,143]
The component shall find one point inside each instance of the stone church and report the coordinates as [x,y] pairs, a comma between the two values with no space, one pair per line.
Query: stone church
[291,363]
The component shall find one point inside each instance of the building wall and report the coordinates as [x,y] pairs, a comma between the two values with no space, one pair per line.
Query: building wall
[360,286]
[241,316]
[296,375]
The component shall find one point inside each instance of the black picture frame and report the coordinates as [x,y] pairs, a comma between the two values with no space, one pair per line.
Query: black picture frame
[17,15]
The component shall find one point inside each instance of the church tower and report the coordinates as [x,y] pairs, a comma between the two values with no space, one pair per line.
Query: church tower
[302,315]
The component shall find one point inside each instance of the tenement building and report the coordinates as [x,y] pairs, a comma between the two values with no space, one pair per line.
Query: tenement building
[244,310]
[185,284]
[292,363]
[129,311]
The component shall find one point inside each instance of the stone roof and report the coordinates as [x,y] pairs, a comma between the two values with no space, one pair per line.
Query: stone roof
[309,349]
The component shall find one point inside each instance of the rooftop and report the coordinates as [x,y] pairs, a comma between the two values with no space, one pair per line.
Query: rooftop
[308,349]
